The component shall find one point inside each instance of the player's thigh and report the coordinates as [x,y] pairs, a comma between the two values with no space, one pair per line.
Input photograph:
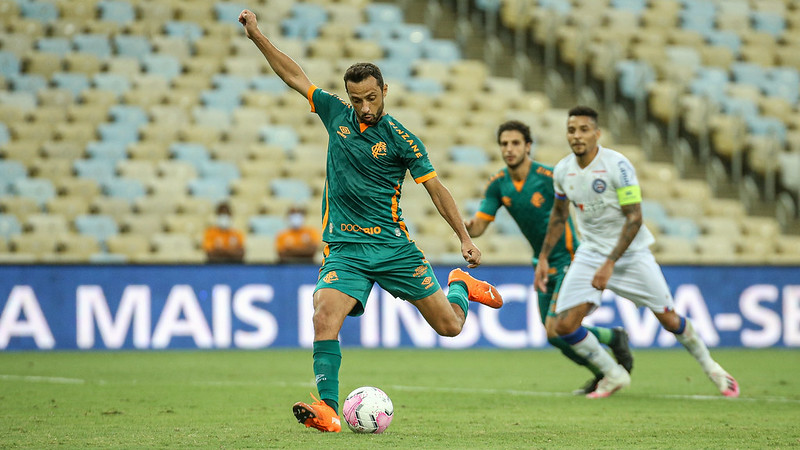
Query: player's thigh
[576,289]
[638,278]
[331,306]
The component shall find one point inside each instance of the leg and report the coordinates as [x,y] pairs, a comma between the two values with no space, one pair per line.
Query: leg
[569,328]
[446,318]
[330,309]
[682,328]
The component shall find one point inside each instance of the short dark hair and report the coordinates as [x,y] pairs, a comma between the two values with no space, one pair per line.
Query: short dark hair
[359,72]
[585,111]
[515,125]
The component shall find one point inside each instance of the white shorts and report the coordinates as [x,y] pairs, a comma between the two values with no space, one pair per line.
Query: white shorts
[637,277]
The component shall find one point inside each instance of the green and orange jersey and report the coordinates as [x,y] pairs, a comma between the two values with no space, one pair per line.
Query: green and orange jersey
[365,171]
[529,203]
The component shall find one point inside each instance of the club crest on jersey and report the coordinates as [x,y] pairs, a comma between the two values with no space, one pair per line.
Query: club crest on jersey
[537,199]
[599,185]
[330,277]
[379,149]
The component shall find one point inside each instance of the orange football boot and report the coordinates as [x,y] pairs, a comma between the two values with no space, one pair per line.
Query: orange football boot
[479,291]
[318,415]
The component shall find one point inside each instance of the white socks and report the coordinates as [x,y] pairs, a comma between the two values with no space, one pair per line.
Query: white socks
[692,342]
[591,349]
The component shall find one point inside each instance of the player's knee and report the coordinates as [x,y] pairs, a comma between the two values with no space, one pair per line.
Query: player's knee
[449,329]
[563,328]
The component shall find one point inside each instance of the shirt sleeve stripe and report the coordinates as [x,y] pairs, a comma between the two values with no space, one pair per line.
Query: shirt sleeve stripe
[561,196]
[484,216]
[310,96]
[425,178]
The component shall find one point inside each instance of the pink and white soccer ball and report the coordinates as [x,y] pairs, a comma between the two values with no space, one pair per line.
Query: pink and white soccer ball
[368,410]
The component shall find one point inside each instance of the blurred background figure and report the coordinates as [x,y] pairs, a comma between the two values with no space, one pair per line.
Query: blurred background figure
[299,243]
[223,243]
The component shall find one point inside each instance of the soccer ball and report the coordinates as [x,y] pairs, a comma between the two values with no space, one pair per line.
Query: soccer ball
[368,410]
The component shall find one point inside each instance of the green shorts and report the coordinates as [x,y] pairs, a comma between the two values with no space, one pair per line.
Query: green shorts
[353,268]
[547,300]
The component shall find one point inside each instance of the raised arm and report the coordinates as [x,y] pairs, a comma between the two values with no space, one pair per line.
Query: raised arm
[446,206]
[283,65]
[555,228]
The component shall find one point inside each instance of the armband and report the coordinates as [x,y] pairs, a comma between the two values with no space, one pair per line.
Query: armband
[629,195]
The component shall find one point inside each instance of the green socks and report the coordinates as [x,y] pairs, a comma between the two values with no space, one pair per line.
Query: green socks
[327,360]
[604,335]
[458,294]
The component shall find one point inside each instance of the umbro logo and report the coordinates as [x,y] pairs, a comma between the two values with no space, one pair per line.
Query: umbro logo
[330,277]
[343,131]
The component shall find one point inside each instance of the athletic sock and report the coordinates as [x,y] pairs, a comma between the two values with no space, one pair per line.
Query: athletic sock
[696,347]
[604,335]
[586,344]
[327,360]
[459,295]
[567,350]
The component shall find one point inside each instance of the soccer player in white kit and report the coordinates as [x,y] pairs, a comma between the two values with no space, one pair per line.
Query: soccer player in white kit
[614,254]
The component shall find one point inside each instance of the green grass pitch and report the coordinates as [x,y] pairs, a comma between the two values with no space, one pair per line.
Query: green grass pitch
[442,398]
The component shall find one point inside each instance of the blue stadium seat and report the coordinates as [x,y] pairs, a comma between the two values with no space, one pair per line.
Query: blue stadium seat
[113,82]
[749,73]
[769,22]
[73,82]
[227,11]
[294,28]
[424,86]
[56,45]
[697,21]
[309,13]
[118,11]
[23,100]
[119,132]
[226,101]
[292,189]
[396,70]
[374,32]
[220,170]
[442,50]
[39,189]
[634,76]
[94,169]
[267,224]
[5,135]
[282,135]
[635,6]
[131,45]
[681,227]
[469,154]
[45,12]
[767,126]
[784,82]
[190,152]
[741,107]
[210,188]
[230,83]
[9,226]
[182,29]
[167,66]
[401,50]
[107,151]
[384,14]
[11,171]
[725,38]
[31,83]
[489,5]
[654,210]
[99,226]
[9,64]
[130,114]
[411,32]
[94,44]
[562,7]
[124,188]
[269,83]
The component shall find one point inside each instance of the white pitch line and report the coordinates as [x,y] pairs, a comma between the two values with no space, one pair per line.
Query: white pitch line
[440,389]
[39,379]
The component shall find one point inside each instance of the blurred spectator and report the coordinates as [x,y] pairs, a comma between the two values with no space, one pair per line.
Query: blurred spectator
[223,243]
[299,243]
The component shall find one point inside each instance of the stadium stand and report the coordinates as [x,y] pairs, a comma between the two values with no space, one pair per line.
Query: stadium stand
[124,122]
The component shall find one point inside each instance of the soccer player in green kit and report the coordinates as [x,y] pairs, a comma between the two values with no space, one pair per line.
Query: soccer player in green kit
[369,153]
[525,189]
